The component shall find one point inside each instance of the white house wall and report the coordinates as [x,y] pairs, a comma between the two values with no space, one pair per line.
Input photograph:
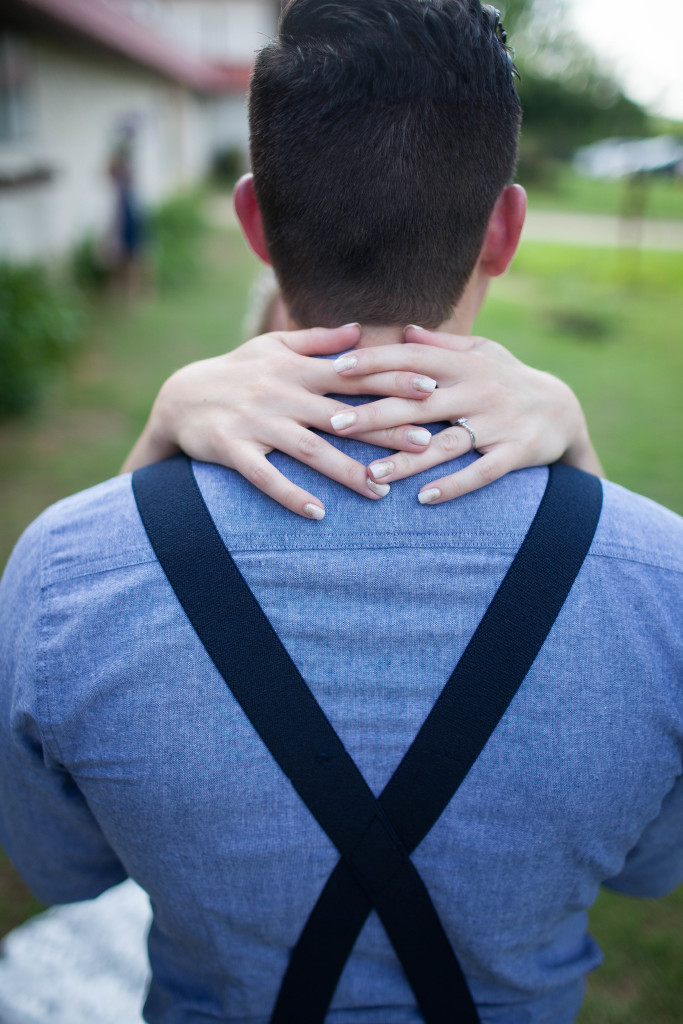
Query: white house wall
[79,98]
[217,30]
[228,122]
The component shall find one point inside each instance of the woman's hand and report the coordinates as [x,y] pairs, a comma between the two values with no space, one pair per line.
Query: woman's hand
[267,393]
[520,416]
[264,395]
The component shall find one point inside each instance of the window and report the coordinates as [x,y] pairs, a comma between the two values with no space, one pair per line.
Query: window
[14,88]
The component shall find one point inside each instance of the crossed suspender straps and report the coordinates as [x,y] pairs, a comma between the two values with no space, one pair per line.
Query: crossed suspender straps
[375,836]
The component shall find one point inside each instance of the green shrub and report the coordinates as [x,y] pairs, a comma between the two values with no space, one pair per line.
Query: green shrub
[176,229]
[41,327]
[228,165]
[88,268]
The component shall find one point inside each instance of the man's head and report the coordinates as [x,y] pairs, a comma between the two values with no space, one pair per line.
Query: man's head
[382,134]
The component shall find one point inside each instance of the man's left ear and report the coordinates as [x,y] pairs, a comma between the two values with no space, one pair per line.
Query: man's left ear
[249,216]
[504,231]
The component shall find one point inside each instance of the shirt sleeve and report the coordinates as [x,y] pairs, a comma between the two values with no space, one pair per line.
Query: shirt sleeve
[46,826]
[654,867]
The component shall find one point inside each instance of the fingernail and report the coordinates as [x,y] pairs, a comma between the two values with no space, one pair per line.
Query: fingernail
[413,327]
[419,436]
[427,497]
[425,384]
[343,420]
[314,511]
[354,324]
[346,362]
[381,489]
[381,469]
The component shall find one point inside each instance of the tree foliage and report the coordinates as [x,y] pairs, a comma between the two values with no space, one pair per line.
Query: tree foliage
[568,99]
[41,328]
[516,13]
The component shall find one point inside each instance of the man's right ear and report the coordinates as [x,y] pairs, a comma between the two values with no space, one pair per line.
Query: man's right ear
[249,216]
[504,231]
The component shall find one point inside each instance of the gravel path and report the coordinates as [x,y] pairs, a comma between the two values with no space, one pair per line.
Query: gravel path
[611,232]
[545,226]
[83,963]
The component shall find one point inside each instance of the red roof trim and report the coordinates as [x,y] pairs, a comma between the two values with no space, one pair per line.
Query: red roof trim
[236,76]
[122,34]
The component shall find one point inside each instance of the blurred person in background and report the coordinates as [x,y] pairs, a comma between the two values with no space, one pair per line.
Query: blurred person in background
[124,250]
[166,782]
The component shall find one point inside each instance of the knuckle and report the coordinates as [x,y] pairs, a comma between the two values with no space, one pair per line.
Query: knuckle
[496,352]
[279,364]
[370,415]
[246,414]
[260,475]
[411,351]
[527,438]
[415,407]
[518,454]
[218,439]
[309,445]
[398,438]
[259,391]
[450,440]
[487,472]
[498,395]
[261,347]
[399,384]
[291,498]
[354,476]
[401,464]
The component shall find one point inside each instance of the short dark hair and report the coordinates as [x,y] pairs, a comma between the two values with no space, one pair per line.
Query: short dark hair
[382,133]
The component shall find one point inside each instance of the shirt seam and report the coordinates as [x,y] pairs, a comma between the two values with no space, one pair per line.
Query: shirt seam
[42,672]
[58,578]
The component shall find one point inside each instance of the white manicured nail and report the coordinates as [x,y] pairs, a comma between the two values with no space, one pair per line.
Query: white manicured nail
[381,469]
[314,511]
[424,384]
[419,436]
[427,497]
[343,420]
[354,324]
[381,489]
[346,362]
[413,327]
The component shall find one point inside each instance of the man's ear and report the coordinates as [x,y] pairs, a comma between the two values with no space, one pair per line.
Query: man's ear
[504,231]
[249,216]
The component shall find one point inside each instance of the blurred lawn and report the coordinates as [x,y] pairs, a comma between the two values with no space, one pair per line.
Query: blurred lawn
[90,419]
[610,325]
[571,193]
[607,323]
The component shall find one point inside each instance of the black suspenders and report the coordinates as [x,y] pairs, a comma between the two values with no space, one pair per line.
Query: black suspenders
[375,836]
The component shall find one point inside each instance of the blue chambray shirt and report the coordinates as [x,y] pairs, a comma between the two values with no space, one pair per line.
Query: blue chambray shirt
[123,752]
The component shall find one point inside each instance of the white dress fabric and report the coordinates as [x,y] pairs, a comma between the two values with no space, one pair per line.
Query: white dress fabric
[82,963]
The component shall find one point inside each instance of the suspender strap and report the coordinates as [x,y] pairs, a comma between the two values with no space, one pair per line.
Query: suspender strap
[373,837]
[268,686]
[489,673]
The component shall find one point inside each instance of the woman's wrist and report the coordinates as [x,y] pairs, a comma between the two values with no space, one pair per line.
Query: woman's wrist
[153,445]
[581,452]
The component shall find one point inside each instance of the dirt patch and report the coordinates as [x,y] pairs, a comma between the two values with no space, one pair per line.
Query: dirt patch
[16,901]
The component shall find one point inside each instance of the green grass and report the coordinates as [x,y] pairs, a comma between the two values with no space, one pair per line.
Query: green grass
[641,979]
[83,430]
[608,325]
[611,328]
[571,193]
[16,902]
